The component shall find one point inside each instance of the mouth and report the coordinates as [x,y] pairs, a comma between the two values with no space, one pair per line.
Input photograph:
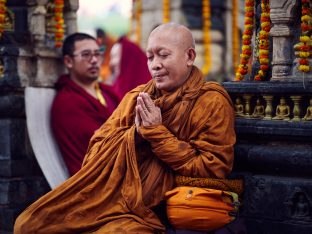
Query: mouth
[94,69]
[158,76]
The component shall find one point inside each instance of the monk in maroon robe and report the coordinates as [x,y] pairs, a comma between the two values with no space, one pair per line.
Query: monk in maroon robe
[82,104]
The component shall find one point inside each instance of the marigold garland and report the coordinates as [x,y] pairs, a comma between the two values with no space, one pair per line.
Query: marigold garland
[235,46]
[247,35]
[2,15]
[303,48]
[166,11]
[264,42]
[59,22]
[206,36]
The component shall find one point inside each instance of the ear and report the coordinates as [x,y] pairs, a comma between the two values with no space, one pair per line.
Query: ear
[68,61]
[191,55]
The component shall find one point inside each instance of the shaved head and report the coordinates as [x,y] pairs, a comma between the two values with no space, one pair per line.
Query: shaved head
[171,53]
[177,32]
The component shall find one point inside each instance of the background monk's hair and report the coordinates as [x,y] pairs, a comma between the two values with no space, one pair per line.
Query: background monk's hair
[69,43]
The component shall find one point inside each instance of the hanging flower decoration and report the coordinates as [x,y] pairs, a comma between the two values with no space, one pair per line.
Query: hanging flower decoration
[247,35]
[264,42]
[138,13]
[303,48]
[59,22]
[206,36]
[166,11]
[235,46]
[2,15]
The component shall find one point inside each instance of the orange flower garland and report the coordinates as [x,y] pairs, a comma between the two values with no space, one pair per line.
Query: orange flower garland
[166,11]
[235,46]
[2,15]
[304,47]
[206,36]
[264,42]
[59,22]
[247,35]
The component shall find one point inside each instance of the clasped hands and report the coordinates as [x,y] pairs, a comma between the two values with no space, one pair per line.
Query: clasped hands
[146,113]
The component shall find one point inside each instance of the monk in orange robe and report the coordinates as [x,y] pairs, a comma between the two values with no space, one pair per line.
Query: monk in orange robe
[177,124]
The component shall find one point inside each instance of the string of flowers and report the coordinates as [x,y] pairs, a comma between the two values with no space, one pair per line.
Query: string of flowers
[264,42]
[2,15]
[166,11]
[247,35]
[138,13]
[206,36]
[235,46]
[59,22]
[304,47]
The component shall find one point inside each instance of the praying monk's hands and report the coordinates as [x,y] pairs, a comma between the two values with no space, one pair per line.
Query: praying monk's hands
[146,113]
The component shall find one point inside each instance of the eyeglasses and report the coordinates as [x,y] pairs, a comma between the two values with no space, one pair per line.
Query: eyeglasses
[87,55]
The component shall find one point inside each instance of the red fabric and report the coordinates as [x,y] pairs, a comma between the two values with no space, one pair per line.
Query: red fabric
[75,115]
[133,68]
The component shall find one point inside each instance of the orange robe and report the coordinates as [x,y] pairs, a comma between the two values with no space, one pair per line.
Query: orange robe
[121,181]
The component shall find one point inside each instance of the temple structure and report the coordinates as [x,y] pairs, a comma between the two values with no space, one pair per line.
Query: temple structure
[273,116]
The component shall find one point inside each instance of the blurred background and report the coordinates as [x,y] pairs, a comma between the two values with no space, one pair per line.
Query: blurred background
[113,16]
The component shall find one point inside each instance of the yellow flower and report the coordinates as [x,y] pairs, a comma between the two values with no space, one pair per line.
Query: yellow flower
[246,47]
[304,68]
[306,18]
[246,37]
[263,52]
[304,38]
[264,61]
[303,54]
[264,24]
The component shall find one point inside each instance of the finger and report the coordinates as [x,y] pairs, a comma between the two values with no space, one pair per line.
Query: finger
[137,119]
[147,101]
[143,114]
[143,106]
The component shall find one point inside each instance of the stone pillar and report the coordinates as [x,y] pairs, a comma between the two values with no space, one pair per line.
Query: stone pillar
[70,16]
[21,181]
[282,32]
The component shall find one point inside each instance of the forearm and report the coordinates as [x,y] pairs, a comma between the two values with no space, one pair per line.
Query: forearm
[186,158]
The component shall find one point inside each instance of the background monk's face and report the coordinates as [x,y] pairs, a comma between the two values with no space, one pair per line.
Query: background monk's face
[168,60]
[86,60]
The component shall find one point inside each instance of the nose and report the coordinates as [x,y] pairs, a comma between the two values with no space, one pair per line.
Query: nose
[95,58]
[156,64]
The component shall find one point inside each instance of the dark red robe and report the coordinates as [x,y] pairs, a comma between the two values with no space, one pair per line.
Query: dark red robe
[75,115]
[133,68]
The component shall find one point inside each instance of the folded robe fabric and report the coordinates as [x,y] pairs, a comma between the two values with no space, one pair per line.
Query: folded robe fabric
[121,181]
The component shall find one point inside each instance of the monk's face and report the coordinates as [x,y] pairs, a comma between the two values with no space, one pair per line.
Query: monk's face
[85,62]
[168,60]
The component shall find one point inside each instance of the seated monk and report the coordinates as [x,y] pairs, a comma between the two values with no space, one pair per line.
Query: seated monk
[282,110]
[308,115]
[176,124]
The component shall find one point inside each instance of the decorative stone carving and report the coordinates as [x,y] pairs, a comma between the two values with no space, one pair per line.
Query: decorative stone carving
[247,98]
[258,110]
[308,115]
[282,110]
[268,109]
[282,32]
[239,107]
[70,16]
[297,109]
[299,205]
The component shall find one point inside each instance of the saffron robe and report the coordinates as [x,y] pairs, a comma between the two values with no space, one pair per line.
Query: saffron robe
[120,181]
[75,115]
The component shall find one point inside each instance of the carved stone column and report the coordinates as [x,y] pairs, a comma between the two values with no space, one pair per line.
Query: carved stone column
[38,20]
[297,110]
[70,16]
[268,109]
[282,32]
